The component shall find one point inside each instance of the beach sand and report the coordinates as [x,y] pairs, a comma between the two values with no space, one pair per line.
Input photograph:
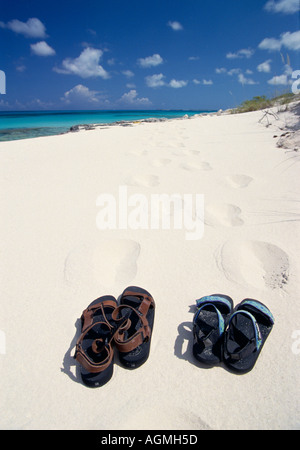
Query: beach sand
[55,260]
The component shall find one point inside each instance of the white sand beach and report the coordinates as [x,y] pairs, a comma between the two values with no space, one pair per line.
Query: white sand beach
[55,260]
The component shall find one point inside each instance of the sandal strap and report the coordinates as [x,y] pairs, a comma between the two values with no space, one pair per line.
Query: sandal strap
[85,361]
[246,351]
[207,339]
[146,303]
[89,312]
[260,308]
[99,345]
[141,335]
[221,322]
[214,299]
[254,344]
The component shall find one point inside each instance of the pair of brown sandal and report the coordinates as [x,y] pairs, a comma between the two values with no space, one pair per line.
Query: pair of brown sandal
[105,324]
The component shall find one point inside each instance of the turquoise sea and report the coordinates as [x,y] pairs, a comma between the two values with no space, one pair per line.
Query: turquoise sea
[29,124]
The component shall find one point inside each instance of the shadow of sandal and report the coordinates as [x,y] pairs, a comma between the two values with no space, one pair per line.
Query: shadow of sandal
[185,341]
[69,362]
[185,335]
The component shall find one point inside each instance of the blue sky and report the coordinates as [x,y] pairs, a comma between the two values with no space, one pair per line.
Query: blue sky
[146,54]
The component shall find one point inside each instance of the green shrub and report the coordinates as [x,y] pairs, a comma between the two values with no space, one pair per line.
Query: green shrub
[262,102]
[259,102]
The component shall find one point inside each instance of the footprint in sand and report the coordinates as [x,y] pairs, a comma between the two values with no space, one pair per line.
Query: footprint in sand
[103,264]
[239,181]
[180,152]
[168,418]
[223,214]
[138,152]
[143,180]
[191,165]
[169,144]
[194,152]
[161,162]
[258,263]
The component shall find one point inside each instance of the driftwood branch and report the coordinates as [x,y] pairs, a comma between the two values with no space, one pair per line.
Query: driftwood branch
[266,114]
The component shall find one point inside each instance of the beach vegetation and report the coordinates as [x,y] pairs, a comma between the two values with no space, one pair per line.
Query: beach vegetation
[258,102]
[262,102]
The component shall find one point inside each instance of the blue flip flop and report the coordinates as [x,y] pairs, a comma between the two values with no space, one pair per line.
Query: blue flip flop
[209,324]
[248,328]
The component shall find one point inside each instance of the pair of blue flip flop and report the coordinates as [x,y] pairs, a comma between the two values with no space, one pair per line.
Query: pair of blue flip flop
[232,335]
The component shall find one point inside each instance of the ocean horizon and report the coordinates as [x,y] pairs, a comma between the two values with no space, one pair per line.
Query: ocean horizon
[16,125]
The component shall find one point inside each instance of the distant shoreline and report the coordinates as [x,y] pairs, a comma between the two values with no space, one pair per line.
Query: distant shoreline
[40,126]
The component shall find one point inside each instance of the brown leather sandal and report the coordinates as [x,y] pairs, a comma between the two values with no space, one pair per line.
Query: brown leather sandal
[134,338]
[94,350]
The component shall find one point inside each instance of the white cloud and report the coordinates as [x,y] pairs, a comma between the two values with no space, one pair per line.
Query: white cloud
[128,73]
[177,83]
[193,58]
[265,66]
[204,82]
[150,61]
[271,44]
[4,105]
[288,70]
[131,97]
[283,79]
[290,41]
[235,71]
[156,80]
[283,6]
[80,94]
[243,53]
[86,65]
[36,103]
[42,49]
[240,76]
[21,68]
[111,62]
[221,70]
[208,82]
[15,106]
[33,28]
[176,26]
[243,80]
